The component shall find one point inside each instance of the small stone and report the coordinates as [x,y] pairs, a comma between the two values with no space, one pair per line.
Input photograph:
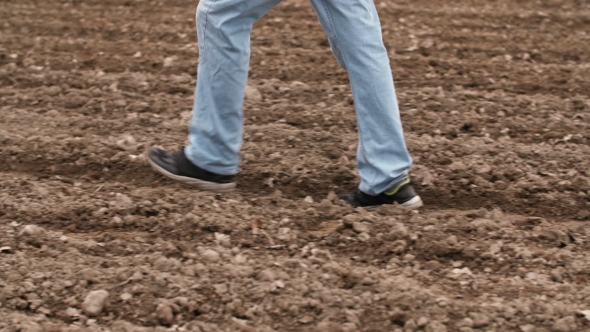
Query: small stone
[360,227]
[211,255]
[72,312]
[181,301]
[163,264]
[123,202]
[308,199]
[457,166]
[169,61]
[240,259]
[343,160]
[223,240]
[241,325]
[352,317]
[306,319]
[410,326]
[581,105]
[221,288]
[422,321]
[89,274]
[32,231]
[253,94]
[364,237]
[94,302]
[127,143]
[299,87]
[432,265]
[557,274]
[126,297]
[399,246]
[527,328]
[442,301]
[466,322]
[479,319]
[464,270]
[436,326]
[21,304]
[165,314]
[565,324]
[452,240]
[398,317]
[28,286]
[276,286]
[267,275]
[427,178]
[483,223]
[409,258]
[483,169]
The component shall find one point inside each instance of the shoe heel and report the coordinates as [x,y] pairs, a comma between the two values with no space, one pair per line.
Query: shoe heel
[413,203]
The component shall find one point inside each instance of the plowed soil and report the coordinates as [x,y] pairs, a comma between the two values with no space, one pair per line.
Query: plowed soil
[496,107]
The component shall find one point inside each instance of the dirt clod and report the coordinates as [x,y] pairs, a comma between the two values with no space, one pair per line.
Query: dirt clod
[565,324]
[165,314]
[94,302]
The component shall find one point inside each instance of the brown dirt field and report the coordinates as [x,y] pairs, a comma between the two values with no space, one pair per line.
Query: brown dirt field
[496,107]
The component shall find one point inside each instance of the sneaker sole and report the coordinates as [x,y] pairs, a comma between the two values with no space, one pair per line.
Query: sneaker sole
[199,184]
[412,204]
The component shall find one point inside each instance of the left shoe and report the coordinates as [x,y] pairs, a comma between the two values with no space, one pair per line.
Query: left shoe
[401,193]
[176,166]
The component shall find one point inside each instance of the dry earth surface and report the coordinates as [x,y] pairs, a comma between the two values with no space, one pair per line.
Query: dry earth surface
[496,106]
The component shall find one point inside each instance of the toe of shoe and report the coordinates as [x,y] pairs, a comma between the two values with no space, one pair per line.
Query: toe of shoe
[155,153]
[159,157]
[349,199]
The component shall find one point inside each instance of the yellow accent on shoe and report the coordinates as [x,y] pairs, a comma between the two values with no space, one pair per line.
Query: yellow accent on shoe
[397,188]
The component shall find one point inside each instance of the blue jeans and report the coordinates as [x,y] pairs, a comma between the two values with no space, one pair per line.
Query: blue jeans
[354,32]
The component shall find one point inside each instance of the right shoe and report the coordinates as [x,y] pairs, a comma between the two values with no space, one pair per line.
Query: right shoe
[176,166]
[401,193]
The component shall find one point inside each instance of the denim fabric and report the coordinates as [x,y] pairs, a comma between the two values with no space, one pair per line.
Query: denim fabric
[354,31]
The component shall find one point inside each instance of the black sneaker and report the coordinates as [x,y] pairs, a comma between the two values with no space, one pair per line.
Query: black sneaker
[401,193]
[176,166]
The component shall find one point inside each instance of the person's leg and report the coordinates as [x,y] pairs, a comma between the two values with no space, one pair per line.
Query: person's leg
[223,31]
[211,159]
[354,31]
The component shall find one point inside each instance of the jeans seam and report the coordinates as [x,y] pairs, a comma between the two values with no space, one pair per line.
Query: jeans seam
[335,33]
[205,29]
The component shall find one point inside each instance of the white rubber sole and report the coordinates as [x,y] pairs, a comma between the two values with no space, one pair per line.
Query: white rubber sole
[412,204]
[199,184]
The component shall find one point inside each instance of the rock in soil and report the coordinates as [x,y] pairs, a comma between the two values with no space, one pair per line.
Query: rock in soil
[94,302]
